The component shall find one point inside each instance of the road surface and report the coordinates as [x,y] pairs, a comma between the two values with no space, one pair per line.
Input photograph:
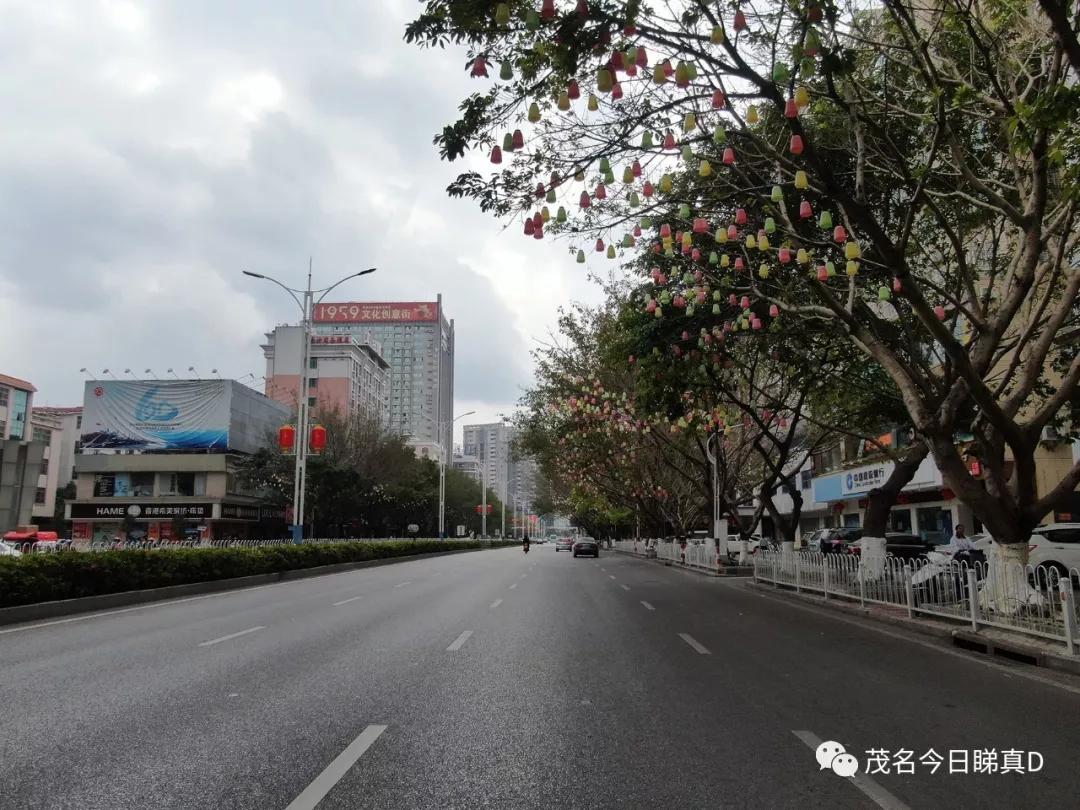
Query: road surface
[495,679]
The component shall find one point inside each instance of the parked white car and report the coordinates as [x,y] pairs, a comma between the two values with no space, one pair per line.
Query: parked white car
[7,550]
[1055,546]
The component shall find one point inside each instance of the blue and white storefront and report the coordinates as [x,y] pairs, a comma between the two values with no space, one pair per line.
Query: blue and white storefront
[925,506]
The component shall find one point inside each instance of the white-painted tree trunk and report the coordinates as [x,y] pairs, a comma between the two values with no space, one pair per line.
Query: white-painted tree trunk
[872,557]
[1006,589]
[744,551]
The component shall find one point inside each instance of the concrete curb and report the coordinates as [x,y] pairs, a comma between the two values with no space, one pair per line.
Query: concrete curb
[87,604]
[728,570]
[965,639]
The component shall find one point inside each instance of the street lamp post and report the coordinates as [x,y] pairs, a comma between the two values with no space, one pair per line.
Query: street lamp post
[719,531]
[307,306]
[443,428]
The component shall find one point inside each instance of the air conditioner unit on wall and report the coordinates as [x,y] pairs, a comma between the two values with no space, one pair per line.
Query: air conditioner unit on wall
[1050,434]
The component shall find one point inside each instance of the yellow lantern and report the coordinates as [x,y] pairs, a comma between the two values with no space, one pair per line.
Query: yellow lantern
[705,169]
[801,181]
[852,268]
[851,250]
[752,116]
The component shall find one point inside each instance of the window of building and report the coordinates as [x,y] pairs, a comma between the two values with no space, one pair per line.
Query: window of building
[44,466]
[104,485]
[39,495]
[313,382]
[142,484]
[313,362]
[3,427]
[805,478]
[3,396]
[183,484]
[312,401]
[42,435]
[78,421]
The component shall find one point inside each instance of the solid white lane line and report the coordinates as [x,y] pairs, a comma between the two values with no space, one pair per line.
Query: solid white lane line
[611,576]
[315,792]
[513,586]
[877,794]
[625,587]
[403,584]
[647,605]
[230,636]
[700,648]
[459,641]
[346,601]
[495,604]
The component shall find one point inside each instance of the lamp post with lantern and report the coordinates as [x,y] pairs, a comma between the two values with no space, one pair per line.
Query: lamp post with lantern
[318,433]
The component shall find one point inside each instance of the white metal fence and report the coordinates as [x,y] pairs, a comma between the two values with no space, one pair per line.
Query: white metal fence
[1033,600]
[692,555]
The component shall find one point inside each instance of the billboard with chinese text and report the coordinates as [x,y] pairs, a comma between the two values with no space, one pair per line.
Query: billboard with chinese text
[357,312]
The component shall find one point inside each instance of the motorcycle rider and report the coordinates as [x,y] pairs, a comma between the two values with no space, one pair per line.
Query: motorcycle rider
[525,542]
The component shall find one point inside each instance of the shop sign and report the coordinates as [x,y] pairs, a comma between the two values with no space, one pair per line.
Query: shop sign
[140,511]
[236,511]
[864,479]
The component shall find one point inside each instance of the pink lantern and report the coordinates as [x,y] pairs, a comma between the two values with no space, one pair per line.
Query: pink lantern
[616,91]
[732,232]
[896,285]
[695,255]
[635,169]
[655,273]
[479,67]
[791,109]
[740,21]
[540,190]
[538,232]
[822,273]
[939,310]
[839,234]
[668,69]
[669,141]
[599,245]
[651,306]
[642,58]
[701,225]
[572,90]
[729,156]
[529,227]
[647,189]
[755,323]
[679,302]
[774,311]
[744,302]
[662,280]
[585,201]
[496,155]
[637,230]
[718,100]
[739,264]
[796,147]
[665,230]
[547,10]
[805,211]
[538,220]
[740,216]
[784,255]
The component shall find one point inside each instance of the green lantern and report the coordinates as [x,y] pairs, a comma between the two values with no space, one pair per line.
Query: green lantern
[780,72]
[581,257]
[611,251]
[830,268]
[534,113]
[682,73]
[560,215]
[684,211]
[883,293]
[717,35]
[628,175]
[646,223]
[646,140]
[532,20]
[628,241]
[506,72]
[777,194]
[770,225]
[635,200]
[714,258]
[605,165]
[719,135]
[687,153]
[508,142]
[825,220]
[604,80]
[609,177]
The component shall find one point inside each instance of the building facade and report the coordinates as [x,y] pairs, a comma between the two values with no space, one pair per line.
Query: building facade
[346,372]
[21,457]
[470,465]
[58,429]
[418,344]
[491,444]
[160,460]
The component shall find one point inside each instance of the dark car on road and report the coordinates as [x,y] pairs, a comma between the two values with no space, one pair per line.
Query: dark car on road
[586,545]
[905,546]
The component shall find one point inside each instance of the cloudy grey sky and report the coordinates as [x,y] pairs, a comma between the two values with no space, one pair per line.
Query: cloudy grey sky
[151,150]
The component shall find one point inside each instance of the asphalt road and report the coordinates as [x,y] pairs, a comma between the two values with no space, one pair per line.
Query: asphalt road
[498,680]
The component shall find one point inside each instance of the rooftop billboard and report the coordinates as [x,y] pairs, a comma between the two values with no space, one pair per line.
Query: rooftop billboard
[356,312]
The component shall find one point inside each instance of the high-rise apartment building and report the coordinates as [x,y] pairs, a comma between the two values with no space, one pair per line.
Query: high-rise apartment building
[346,372]
[491,445]
[418,344]
[58,429]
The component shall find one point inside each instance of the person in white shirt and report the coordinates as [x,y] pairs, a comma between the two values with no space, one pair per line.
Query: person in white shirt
[960,542]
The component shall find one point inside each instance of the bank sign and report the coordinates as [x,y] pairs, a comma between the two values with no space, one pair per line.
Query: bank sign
[156,414]
[864,479]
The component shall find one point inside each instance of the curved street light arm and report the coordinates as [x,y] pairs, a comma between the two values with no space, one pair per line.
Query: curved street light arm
[326,291]
[289,290]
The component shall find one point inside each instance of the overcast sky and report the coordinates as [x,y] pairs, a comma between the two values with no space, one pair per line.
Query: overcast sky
[150,151]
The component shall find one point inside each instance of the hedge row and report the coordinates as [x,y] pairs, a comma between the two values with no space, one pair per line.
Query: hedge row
[68,575]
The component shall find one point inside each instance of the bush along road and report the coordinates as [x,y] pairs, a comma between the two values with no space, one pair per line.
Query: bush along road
[69,575]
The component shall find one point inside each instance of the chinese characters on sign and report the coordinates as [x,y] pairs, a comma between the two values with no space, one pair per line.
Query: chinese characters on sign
[832,755]
[864,479]
[375,313]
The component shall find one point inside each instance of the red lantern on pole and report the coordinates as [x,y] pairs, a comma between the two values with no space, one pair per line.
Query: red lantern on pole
[318,439]
[286,438]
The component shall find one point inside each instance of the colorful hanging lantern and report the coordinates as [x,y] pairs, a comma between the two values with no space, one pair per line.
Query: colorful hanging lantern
[770,225]
[318,439]
[666,184]
[851,250]
[540,190]
[802,96]
[635,200]
[547,10]
[896,285]
[729,156]
[740,21]
[538,232]
[695,255]
[508,142]
[805,211]
[705,169]
[839,234]
[939,311]
[751,242]
[669,141]
[721,235]
[791,109]
[752,116]
[550,196]
[784,255]
[883,293]
[585,201]
[744,302]
[802,257]
[689,122]
[717,35]
[502,14]
[534,113]
[774,311]
[479,68]
[777,194]
[684,211]
[496,155]
[647,189]
[763,241]
[687,153]
[718,100]
[714,258]
[701,225]
[506,71]
[601,192]
[732,232]
[545,215]
[822,273]
[599,245]
[801,181]
[682,75]
[573,92]
[719,135]
[611,252]
[532,20]
[646,140]
[763,271]
[594,103]
[739,264]
[616,91]
[825,220]
[740,216]
[628,175]
[530,227]
[564,101]
[286,438]
[830,268]
[852,269]
[560,215]
[796,145]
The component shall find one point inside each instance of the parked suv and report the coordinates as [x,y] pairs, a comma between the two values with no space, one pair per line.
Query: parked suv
[836,541]
[1055,546]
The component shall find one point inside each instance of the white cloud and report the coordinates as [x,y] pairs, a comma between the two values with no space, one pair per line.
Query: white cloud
[163,147]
